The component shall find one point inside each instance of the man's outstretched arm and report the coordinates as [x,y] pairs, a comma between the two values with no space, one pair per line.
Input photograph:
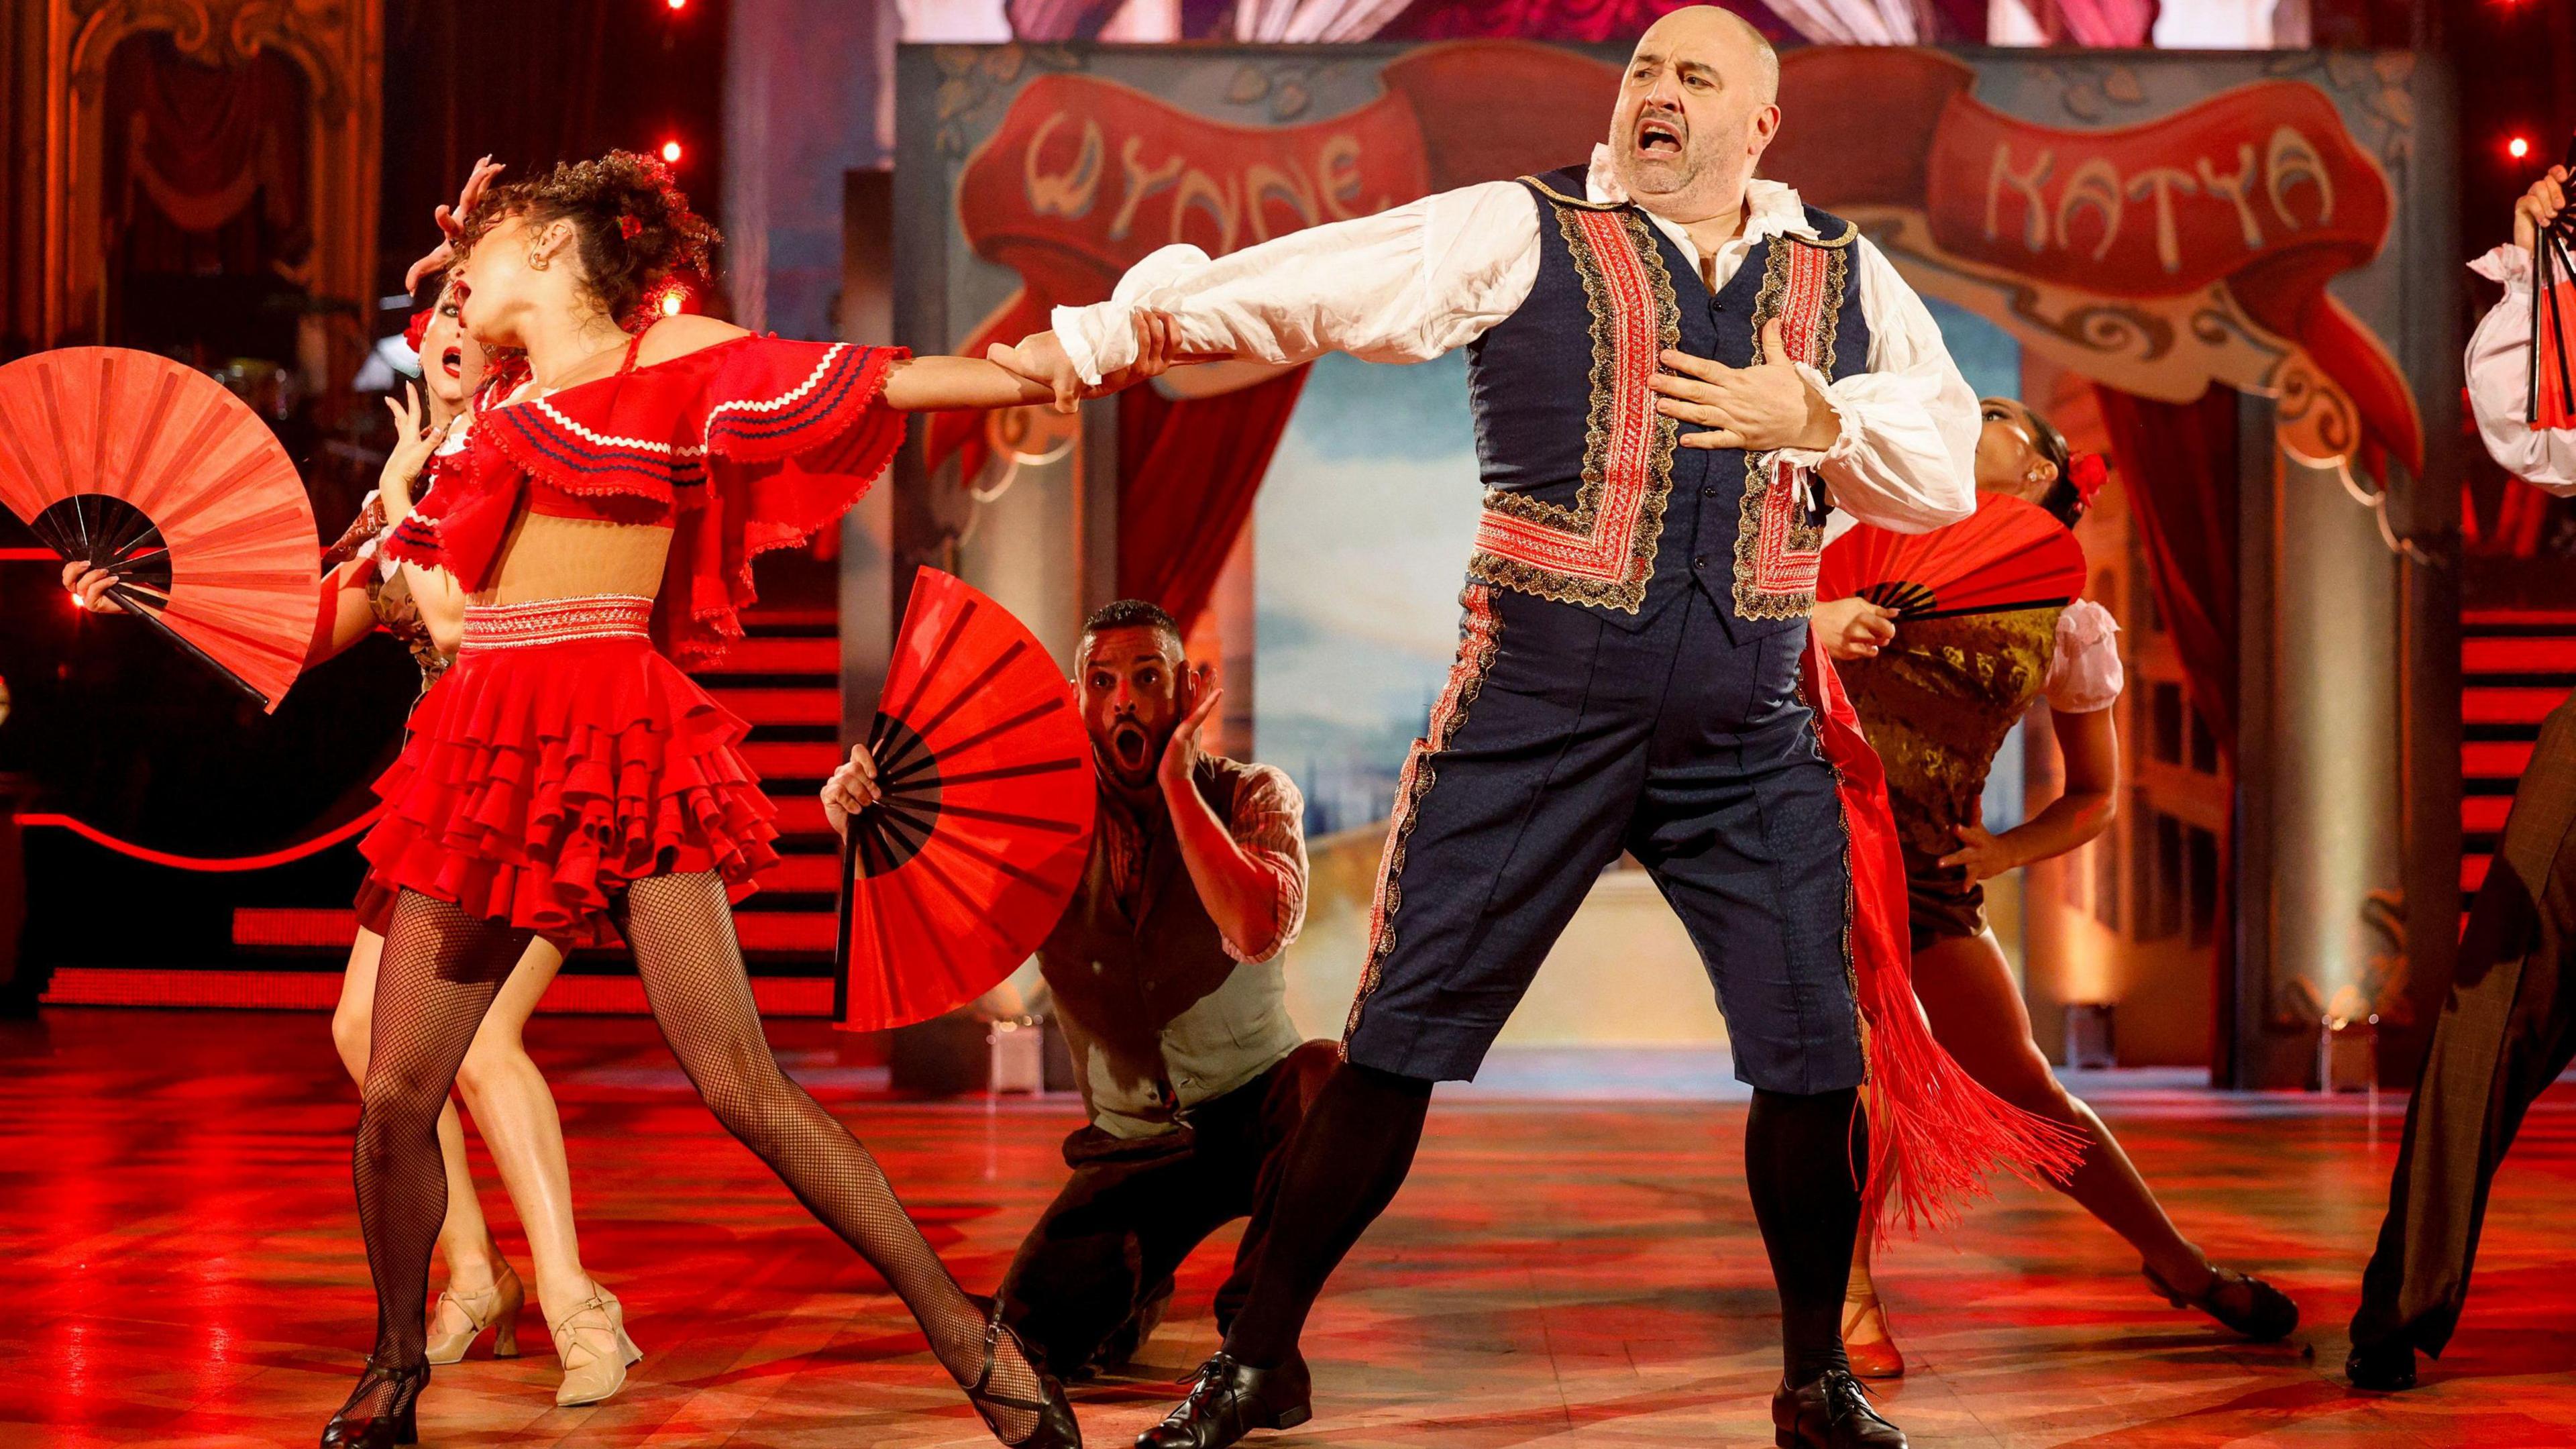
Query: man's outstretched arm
[1402,286]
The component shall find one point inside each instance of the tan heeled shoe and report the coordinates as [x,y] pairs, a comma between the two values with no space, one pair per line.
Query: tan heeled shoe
[496,1308]
[591,1340]
[1871,1358]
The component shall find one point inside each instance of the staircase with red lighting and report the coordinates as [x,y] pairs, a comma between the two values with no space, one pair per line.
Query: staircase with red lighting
[785,679]
[2515,666]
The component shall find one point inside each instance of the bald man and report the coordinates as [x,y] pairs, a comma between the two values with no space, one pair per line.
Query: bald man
[1676,371]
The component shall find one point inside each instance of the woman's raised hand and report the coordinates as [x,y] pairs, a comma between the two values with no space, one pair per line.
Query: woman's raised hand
[2539,207]
[413,444]
[451,222]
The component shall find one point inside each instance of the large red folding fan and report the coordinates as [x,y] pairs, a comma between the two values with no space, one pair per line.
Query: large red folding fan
[950,881]
[2009,554]
[153,471]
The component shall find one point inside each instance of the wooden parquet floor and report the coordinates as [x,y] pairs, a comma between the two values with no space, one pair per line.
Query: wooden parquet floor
[179,1265]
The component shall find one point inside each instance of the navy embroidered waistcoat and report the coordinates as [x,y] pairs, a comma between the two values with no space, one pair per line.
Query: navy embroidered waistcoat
[1588,499]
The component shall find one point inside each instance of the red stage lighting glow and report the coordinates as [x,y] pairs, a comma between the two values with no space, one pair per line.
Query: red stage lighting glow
[671,152]
[2518,147]
[679,4]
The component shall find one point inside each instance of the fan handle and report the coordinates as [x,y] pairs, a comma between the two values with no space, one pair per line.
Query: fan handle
[143,609]
[841,937]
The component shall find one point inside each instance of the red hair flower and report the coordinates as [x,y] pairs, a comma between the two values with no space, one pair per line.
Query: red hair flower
[629,228]
[418,328]
[2089,472]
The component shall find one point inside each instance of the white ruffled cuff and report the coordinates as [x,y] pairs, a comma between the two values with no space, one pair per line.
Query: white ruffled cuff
[2084,673]
[2508,264]
[1847,425]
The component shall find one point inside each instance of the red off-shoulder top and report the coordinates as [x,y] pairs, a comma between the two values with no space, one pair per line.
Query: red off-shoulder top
[746,446]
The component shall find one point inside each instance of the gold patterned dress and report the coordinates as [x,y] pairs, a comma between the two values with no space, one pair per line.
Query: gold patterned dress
[388,591]
[1937,704]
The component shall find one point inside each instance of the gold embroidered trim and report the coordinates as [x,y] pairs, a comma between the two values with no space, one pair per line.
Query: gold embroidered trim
[1480,638]
[1626,593]
[1851,883]
[1759,593]
[1552,194]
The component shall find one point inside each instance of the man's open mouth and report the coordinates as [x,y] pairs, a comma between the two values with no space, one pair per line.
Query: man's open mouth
[1657,136]
[1130,746]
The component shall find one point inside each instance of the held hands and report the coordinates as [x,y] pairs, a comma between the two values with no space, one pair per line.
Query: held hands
[1982,852]
[1040,358]
[413,445]
[1853,628]
[852,788]
[1757,408]
[2539,207]
[1181,757]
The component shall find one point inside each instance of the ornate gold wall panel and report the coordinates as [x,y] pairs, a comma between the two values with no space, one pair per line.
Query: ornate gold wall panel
[337,45]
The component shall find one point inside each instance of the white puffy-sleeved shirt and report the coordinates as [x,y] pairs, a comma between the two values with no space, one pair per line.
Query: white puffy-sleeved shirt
[2499,368]
[1409,284]
[2084,672]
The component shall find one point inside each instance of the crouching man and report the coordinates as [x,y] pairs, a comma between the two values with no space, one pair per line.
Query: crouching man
[1165,973]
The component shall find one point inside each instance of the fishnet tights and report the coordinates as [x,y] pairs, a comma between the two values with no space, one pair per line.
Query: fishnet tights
[441,970]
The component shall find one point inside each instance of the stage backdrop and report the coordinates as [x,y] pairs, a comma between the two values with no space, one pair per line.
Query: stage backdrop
[2163,225]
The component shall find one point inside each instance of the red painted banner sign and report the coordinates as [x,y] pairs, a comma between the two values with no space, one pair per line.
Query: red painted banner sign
[2258,196]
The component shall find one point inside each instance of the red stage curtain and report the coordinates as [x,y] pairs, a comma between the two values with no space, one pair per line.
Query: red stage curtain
[2178,461]
[1187,473]
[191,148]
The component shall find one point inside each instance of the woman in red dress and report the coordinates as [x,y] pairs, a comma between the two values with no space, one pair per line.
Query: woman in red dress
[504,1089]
[566,780]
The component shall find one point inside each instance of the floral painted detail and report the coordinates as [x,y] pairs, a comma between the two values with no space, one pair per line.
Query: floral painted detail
[1780,539]
[1480,638]
[1601,550]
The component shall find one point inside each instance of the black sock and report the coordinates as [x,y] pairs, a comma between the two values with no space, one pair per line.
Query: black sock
[1348,1158]
[1803,1162]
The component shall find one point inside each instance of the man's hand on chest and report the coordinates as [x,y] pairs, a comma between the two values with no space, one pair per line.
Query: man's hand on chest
[1766,406]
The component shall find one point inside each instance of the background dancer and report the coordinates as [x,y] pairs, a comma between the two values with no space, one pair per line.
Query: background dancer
[2508,1026]
[1936,697]
[1628,676]
[566,778]
[1165,972]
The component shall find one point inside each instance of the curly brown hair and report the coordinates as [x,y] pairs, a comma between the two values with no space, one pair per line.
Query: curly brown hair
[633,225]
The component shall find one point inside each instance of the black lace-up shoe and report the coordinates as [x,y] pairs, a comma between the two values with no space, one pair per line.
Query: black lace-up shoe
[1831,1413]
[1230,1398]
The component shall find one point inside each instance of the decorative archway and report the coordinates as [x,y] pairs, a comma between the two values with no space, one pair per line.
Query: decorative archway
[336,46]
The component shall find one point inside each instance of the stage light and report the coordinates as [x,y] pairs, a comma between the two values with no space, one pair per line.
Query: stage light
[679,4]
[671,152]
[671,304]
[2518,147]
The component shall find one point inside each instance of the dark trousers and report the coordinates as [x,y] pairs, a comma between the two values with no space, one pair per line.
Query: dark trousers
[1091,1279]
[2507,1030]
[1563,740]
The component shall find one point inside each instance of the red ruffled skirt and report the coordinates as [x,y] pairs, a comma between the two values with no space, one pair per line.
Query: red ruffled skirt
[560,758]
